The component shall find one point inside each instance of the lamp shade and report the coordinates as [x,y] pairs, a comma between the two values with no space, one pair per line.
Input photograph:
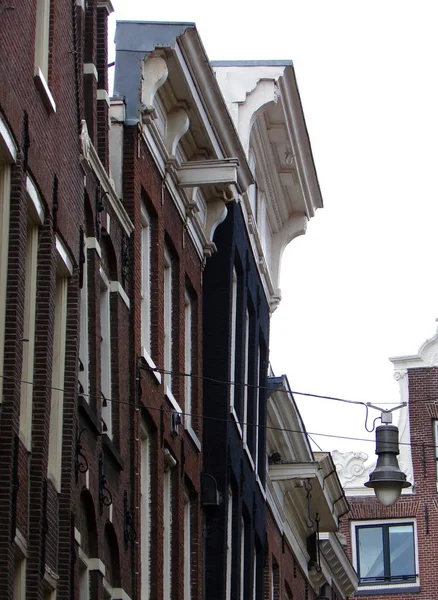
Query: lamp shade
[387,479]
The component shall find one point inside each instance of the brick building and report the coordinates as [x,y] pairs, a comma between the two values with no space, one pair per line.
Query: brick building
[393,548]
[306,555]
[140,255]
[63,310]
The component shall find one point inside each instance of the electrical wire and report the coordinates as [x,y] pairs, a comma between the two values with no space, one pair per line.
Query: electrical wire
[223,420]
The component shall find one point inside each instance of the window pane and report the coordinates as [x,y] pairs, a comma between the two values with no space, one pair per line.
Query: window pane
[401,543]
[370,550]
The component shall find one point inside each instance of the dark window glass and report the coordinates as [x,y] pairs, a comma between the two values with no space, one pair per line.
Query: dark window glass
[385,554]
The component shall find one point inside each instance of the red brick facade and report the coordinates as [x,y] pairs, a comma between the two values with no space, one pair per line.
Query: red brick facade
[421,506]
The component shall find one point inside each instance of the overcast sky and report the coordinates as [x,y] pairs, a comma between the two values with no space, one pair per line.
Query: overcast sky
[361,285]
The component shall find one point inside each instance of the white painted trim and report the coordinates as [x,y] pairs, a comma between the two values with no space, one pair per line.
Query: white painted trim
[95,564]
[119,594]
[262,489]
[236,420]
[248,454]
[193,437]
[5,188]
[172,400]
[151,364]
[37,213]
[8,143]
[21,542]
[90,69]
[63,255]
[44,90]
[93,244]
[78,537]
[117,288]
[106,4]
[81,4]
[107,187]
[405,520]
[102,94]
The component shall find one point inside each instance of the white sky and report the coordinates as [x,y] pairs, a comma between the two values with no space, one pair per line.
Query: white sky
[362,284]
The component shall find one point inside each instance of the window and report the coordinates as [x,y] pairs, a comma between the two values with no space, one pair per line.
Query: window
[42,42]
[245,378]
[105,354]
[145,507]
[188,359]
[229,544]
[64,269]
[233,337]
[435,429]
[83,330]
[84,577]
[187,547]
[35,213]
[20,577]
[386,554]
[257,411]
[242,558]
[167,319]
[145,280]
[4,247]
[167,535]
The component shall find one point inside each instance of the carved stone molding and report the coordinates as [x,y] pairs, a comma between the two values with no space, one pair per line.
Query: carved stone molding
[177,125]
[350,465]
[155,73]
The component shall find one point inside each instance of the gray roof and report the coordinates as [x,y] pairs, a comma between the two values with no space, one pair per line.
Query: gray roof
[134,40]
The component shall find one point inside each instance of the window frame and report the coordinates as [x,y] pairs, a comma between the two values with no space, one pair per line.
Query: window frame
[63,272]
[145,511]
[146,308]
[390,586]
[168,310]
[105,352]
[42,52]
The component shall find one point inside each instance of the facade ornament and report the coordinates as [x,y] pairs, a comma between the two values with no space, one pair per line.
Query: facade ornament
[400,374]
[177,125]
[85,141]
[155,73]
[350,465]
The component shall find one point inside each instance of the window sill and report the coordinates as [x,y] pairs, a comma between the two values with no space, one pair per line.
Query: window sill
[194,438]
[90,416]
[387,590]
[110,447]
[44,90]
[236,420]
[150,363]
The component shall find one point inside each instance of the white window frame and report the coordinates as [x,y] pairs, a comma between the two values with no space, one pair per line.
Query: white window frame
[242,558]
[254,575]
[256,416]
[168,333]
[188,359]
[84,351]
[145,511]
[435,430]
[42,43]
[234,289]
[105,352]
[380,589]
[187,547]
[245,379]
[64,270]
[19,576]
[167,534]
[145,281]
[84,576]
[228,579]
[5,191]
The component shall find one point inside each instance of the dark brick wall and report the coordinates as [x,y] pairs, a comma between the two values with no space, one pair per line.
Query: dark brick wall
[141,179]
[422,505]
[224,456]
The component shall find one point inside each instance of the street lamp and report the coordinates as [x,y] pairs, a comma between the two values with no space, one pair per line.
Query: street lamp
[387,479]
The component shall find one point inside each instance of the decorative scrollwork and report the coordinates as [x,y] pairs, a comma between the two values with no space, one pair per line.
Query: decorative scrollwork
[81,462]
[105,496]
[129,531]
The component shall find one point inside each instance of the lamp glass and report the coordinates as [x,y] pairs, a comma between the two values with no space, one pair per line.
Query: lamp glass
[387,492]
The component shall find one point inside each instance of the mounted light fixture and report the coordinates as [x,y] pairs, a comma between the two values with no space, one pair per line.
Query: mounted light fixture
[387,479]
